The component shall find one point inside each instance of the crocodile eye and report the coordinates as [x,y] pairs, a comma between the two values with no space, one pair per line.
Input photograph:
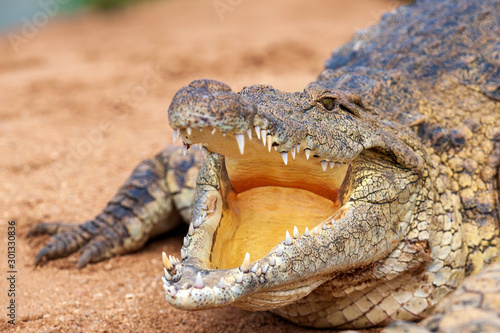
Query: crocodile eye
[328,103]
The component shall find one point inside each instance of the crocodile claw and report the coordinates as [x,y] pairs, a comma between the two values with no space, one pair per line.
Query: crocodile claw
[66,239]
[69,238]
[63,244]
[50,228]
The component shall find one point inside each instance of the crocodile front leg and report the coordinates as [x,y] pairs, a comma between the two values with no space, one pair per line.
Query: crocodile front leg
[152,201]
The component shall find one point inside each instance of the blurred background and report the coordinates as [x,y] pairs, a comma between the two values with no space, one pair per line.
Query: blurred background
[84,90]
[13,12]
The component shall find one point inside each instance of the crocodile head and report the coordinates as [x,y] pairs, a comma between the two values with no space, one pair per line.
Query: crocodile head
[297,189]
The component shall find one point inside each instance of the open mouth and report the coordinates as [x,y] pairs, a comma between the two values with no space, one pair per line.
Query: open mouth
[267,195]
[296,189]
[262,203]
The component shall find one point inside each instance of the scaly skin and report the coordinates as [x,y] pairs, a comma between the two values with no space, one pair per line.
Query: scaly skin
[399,137]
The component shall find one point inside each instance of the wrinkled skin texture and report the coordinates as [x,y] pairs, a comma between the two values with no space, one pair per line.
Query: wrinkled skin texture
[408,112]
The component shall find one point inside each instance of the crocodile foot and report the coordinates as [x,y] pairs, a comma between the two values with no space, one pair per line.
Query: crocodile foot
[142,208]
[68,238]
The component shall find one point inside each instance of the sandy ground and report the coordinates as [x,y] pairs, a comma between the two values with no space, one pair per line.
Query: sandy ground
[83,99]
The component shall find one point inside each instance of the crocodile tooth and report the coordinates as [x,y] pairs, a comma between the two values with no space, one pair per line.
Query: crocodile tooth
[167,274]
[175,134]
[288,239]
[315,231]
[249,132]
[296,233]
[198,222]
[332,164]
[183,253]
[269,142]
[308,153]
[188,130]
[186,241]
[298,147]
[239,278]
[240,138]
[213,131]
[279,252]
[184,150]
[338,164]
[254,268]
[221,284]
[173,259]
[168,265]
[263,135]
[264,270]
[272,262]
[164,280]
[324,164]
[324,226]
[258,272]
[204,152]
[172,291]
[191,229]
[199,281]
[293,152]
[306,232]
[223,133]
[246,263]
[284,155]
[276,148]
[333,221]
[257,131]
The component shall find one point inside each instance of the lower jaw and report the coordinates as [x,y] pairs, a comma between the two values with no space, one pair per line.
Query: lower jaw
[255,220]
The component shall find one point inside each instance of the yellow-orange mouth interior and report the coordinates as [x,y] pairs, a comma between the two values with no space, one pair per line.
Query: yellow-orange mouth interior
[264,198]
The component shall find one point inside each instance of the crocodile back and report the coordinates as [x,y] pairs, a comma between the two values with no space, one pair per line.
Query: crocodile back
[417,50]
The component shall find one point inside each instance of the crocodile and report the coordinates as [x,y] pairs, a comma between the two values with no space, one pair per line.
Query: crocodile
[369,199]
